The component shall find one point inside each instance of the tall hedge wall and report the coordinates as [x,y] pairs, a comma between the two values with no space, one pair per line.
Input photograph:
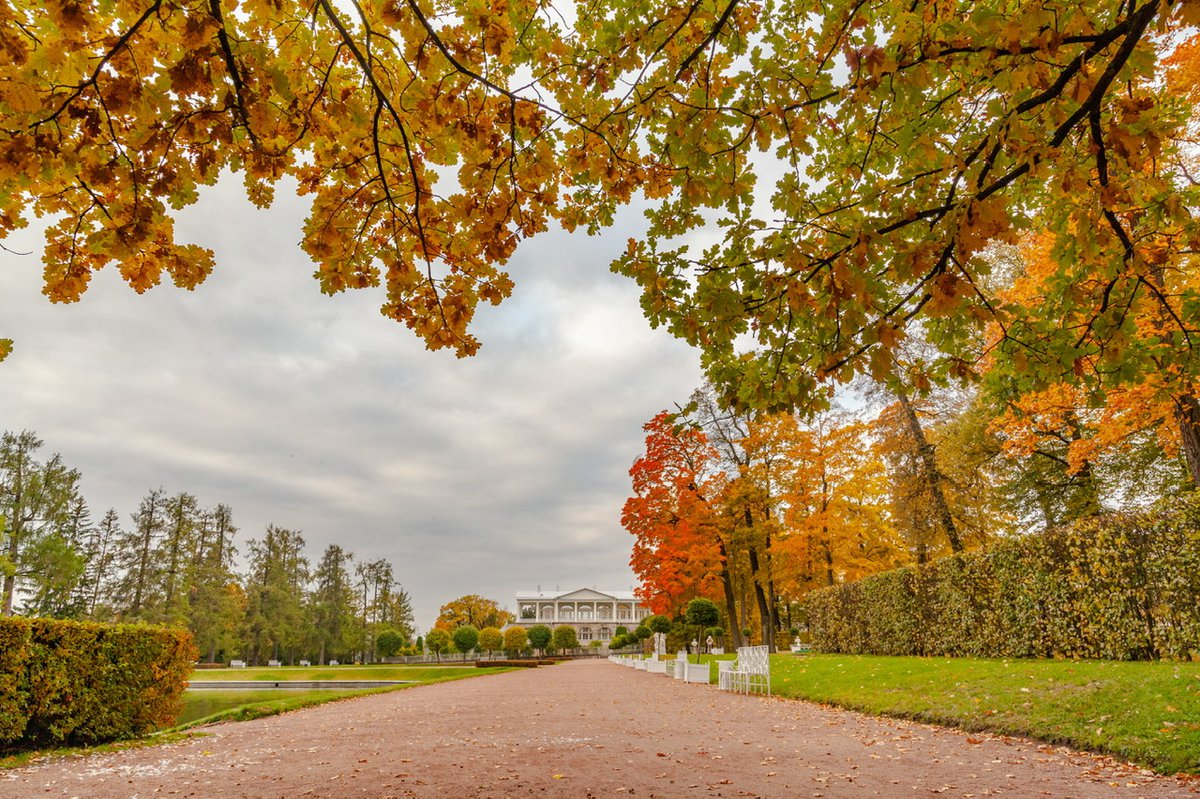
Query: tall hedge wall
[65,682]
[1123,587]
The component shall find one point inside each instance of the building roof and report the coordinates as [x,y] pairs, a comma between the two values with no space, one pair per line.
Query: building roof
[581,594]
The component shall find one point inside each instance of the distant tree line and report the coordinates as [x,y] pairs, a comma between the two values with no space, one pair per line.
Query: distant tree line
[173,563]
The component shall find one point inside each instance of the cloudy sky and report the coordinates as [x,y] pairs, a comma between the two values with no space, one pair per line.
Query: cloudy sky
[485,475]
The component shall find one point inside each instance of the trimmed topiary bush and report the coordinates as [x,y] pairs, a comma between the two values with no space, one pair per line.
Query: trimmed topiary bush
[389,643]
[75,683]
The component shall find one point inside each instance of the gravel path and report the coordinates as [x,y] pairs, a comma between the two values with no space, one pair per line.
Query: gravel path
[585,729]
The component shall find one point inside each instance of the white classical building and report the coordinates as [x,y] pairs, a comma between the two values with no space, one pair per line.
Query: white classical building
[595,615]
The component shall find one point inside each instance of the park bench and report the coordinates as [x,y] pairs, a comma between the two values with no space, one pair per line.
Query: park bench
[274,664]
[237,664]
[749,673]
[305,663]
[801,648]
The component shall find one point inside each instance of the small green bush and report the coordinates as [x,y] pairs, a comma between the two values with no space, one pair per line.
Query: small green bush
[389,643]
[75,683]
[1116,587]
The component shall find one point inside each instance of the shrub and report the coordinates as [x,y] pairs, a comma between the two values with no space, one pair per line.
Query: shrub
[520,664]
[74,683]
[515,640]
[658,624]
[539,637]
[389,642]
[438,641]
[564,637]
[1121,586]
[465,638]
[491,639]
[14,680]
[702,612]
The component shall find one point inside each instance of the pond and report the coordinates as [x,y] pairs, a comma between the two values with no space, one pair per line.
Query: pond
[198,704]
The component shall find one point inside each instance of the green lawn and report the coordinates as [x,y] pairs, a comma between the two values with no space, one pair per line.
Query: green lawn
[1146,712]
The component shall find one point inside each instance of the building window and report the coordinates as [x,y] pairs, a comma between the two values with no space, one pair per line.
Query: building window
[585,633]
[623,614]
[605,634]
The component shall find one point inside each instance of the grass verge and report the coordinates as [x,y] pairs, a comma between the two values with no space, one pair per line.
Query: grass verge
[203,707]
[26,758]
[1148,713]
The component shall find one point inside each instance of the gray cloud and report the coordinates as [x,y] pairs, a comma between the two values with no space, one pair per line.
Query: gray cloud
[486,475]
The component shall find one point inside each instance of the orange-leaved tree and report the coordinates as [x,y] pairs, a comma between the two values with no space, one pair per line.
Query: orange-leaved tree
[678,552]
[831,497]
[423,130]
[474,610]
[1144,397]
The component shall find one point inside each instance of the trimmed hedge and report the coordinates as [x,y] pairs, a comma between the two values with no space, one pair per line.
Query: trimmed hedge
[519,664]
[1117,587]
[74,683]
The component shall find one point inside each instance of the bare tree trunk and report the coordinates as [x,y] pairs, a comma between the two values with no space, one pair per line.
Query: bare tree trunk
[10,579]
[933,475]
[735,634]
[1187,413]
[760,598]
[772,605]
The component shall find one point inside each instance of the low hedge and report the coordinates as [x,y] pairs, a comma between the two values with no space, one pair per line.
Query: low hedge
[73,683]
[520,664]
[1117,587]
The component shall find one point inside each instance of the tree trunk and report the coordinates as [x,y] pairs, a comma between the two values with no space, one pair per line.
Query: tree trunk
[760,598]
[772,605]
[735,633]
[933,475]
[10,578]
[1187,413]
[825,545]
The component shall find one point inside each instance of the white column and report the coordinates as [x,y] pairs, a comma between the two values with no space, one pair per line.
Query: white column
[556,611]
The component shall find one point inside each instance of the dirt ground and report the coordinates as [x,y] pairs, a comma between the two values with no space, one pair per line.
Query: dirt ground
[585,729]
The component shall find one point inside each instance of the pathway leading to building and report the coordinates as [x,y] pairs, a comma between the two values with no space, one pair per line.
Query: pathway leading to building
[585,729]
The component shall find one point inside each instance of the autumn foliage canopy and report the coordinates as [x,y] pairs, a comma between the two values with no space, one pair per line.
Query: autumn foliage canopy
[859,160]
